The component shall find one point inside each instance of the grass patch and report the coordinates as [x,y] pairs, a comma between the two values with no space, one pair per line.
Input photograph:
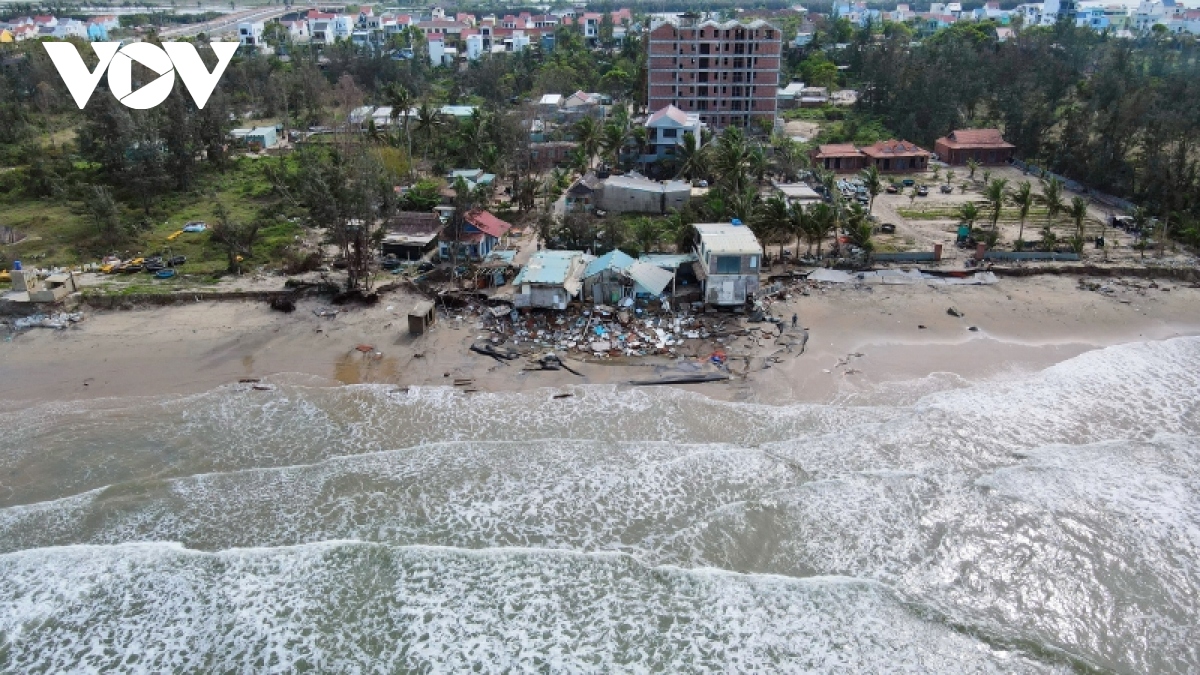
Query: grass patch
[951,213]
[59,233]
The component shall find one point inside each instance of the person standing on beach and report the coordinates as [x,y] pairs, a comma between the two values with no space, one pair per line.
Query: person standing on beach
[795,318]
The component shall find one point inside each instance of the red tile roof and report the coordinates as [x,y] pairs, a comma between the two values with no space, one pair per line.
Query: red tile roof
[486,222]
[838,150]
[894,148]
[975,138]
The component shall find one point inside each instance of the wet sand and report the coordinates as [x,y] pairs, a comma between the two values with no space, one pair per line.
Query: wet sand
[1021,324]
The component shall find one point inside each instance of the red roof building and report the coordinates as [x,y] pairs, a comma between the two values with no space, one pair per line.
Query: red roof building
[893,155]
[986,146]
[842,157]
[487,223]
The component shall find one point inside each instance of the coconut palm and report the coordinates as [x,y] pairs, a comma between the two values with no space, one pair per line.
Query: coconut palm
[588,135]
[731,160]
[822,222]
[995,194]
[874,184]
[972,165]
[1023,198]
[613,139]
[400,99]
[744,203]
[1077,211]
[647,233]
[757,163]
[969,213]
[797,225]
[770,220]
[691,157]
[1052,195]
[429,121]
[950,176]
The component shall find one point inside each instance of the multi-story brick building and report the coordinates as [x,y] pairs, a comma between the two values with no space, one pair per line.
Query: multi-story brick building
[727,73]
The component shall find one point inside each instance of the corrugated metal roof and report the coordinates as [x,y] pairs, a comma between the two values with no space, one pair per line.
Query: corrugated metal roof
[613,260]
[650,277]
[548,267]
[728,238]
[668,261]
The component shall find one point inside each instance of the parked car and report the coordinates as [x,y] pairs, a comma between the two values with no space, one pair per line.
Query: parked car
[947,189]
[887,228]
[908,182]
[893,188]
[922,191]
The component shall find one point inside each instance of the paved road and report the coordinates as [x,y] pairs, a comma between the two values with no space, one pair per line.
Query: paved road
[229,22]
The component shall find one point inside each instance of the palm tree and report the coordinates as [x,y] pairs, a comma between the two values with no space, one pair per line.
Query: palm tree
[858,229]
[646,233]
[1023,198]
[798,223]
[995,194]
[874,184]
[731,160]
[757,163]
[429,119]
[771,220]
[950,176]
[744,203]
[1052,195]
[1078,212]
[972,165]
[400,99]
[613,139]
[969,213]
[912,195]
[587,134]
[987,176]
[692,157]
[822,222]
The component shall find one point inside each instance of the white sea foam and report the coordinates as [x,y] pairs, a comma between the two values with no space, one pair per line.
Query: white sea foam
[347,607]
[1053,513]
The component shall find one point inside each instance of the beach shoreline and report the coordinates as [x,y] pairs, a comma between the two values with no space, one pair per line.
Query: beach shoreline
[860,337]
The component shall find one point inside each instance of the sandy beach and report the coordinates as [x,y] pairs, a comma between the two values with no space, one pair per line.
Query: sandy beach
[901,333]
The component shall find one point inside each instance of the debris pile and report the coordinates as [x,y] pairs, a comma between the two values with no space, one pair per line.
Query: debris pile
[56,321]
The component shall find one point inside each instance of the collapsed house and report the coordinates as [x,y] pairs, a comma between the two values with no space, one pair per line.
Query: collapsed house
[614,276]
[411,235]
[550,279]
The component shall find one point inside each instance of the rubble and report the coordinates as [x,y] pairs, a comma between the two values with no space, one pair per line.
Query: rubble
[55,321]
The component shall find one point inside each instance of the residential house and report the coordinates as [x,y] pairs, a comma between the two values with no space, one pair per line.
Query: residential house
[789,96]
[665,131]
[814,97]
[411,235]
[297,31]
[545,156]
[6,36]
[633,193]
[798,193]
[258,138]
[67,28]
[727,262]
[97,32]
[893,155]
[582,104]
[473,177]
[550,279]
[840,157]
[473,40]
[45,21]
[583,195]
[109,21]
[986,146]
[250,33]
[481,233]
[614,276]
[436,44]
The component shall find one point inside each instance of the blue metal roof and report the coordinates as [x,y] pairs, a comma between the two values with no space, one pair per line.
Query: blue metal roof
[668,261]
[615,259]
[547,267]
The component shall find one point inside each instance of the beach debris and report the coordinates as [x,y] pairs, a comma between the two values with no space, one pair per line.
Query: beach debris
[327,313]
[954,312]
[566,395]
[282,304]
[921,326]
[55,321]
[973,328]
[685,379]
[248,380]
[262,387]
[364,348]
